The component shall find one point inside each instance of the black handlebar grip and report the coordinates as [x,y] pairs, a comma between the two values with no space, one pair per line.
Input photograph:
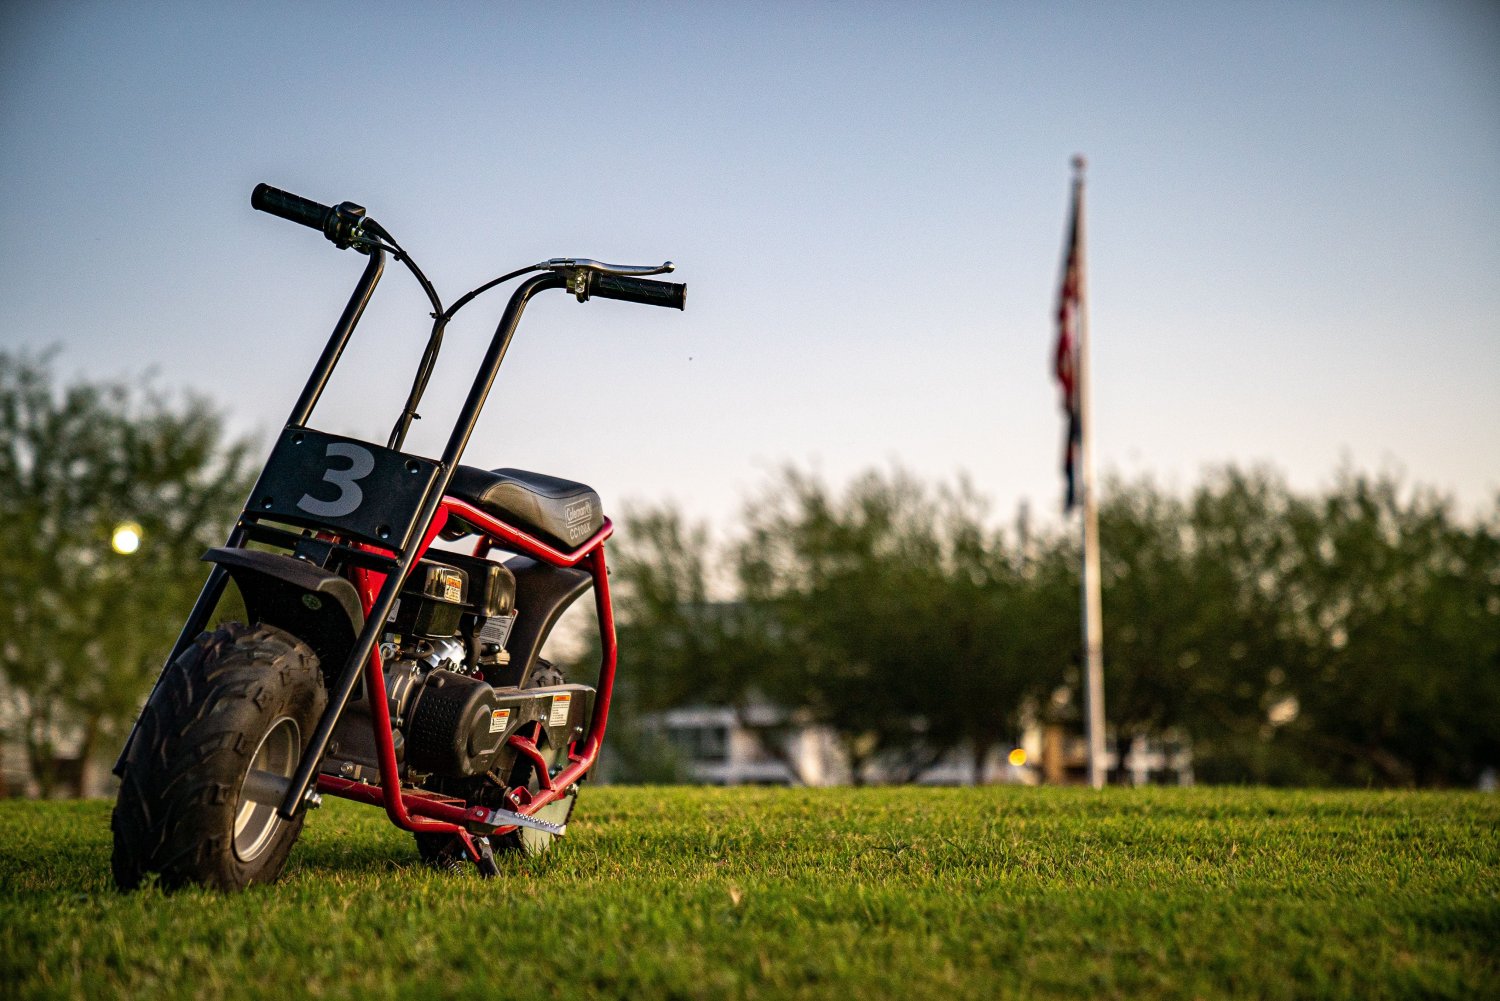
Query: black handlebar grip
[288,206]
[642,290]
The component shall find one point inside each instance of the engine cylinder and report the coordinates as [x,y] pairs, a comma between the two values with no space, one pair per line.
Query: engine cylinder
[453,729]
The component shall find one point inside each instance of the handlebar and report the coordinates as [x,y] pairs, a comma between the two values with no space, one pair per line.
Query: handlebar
[345,224]
[626,282]
[340,223]
[293,208]
[642,290]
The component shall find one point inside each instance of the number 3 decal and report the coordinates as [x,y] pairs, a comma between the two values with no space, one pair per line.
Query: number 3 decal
[361,464]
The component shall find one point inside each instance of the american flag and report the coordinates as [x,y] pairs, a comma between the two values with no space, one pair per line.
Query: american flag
[1065,362]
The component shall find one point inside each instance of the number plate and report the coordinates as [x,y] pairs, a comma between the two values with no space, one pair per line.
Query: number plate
[345,485]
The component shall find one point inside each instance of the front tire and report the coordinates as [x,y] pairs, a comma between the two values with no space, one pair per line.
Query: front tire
[214,746]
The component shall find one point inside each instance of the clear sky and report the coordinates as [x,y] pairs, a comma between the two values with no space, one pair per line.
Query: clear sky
[1293,218]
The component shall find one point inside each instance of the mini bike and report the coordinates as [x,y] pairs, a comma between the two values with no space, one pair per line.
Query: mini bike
[372,666]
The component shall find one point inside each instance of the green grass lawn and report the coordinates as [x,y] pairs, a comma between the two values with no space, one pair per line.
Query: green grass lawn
[910,893]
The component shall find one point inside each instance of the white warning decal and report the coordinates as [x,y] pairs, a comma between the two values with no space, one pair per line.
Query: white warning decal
[498,719]
[560,704]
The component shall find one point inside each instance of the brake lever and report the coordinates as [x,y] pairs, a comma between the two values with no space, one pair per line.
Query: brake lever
[632,270]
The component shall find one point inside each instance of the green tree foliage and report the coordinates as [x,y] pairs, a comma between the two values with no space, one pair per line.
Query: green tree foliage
[888,613]
[1399,620]
[1195,637]
[83,630]
[1351,637]
[682,643]
[1347,637]
[858,583]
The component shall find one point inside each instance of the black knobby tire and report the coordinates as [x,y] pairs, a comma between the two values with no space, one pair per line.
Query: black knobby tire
[545,674]
[239,697]
[445,851]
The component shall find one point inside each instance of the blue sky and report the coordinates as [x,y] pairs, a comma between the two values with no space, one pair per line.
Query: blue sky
[1294,227]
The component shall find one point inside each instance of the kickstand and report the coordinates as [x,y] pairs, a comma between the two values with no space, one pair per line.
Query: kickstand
[477,848]
[486,860]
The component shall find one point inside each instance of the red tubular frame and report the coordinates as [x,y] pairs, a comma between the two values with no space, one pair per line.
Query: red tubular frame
[414,811]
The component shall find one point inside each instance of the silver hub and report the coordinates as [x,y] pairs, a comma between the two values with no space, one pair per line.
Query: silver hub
[266,780]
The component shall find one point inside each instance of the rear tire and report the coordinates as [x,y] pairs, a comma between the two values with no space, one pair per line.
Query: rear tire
[446,852]
[240,702]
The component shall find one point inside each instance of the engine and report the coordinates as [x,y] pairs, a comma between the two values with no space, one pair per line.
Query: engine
[446,634]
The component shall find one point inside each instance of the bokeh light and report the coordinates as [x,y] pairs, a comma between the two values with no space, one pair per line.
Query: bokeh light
[126,538]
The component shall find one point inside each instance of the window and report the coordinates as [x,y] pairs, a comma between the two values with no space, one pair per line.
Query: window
[707,744]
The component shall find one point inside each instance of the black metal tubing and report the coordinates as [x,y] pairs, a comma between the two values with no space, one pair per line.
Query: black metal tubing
[340,337]
[468,417]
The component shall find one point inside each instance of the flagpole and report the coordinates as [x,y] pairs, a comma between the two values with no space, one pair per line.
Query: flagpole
[1093,616]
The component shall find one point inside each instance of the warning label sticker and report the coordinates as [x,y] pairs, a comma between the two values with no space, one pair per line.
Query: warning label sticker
[560,704]
[498,719]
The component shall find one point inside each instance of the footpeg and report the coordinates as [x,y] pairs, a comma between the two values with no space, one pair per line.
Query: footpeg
[509,818]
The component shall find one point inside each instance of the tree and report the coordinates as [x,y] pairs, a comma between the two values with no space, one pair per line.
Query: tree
[889,614]
[682,641]
[1151,608]
[1196,636]
[85,629]
[1245,649]
[1348,637]
[908,614]
[1399,614]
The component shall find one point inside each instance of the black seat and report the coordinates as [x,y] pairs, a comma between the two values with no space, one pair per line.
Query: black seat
[560,511]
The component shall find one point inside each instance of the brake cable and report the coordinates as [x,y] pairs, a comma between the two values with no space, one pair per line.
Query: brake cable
[440,318]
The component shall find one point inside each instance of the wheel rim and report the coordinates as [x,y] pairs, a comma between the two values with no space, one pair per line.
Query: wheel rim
[255,819]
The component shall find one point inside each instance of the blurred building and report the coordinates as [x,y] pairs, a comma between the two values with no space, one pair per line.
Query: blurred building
[763,745]
[767,745]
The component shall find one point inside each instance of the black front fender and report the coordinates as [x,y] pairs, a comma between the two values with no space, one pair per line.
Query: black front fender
[317,606]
